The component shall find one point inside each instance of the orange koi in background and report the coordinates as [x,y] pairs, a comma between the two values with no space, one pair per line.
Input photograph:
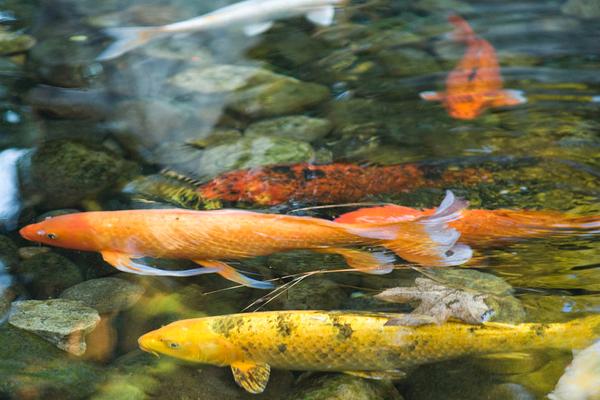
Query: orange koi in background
[209,237]
[329,184]
[475,84]
[480,227]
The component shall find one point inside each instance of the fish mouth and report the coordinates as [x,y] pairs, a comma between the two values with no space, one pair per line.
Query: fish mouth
[146,348]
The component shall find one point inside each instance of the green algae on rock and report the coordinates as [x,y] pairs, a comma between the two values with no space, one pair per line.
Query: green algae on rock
[344,387]
[64,323]
[32,368]
[48,274]
[299,127]
[105,294]
[63,173]
[11,42]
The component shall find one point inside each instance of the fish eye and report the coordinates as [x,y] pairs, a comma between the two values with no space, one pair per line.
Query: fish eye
[172,345]
[51,236]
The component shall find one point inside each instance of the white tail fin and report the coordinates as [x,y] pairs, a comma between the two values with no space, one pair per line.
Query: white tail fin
[127,39]
[428,241]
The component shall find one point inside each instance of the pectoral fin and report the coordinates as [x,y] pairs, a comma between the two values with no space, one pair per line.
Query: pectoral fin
[322,16]
[257,29]
[393,374]
[124,262]
[509,97]
[253,377]
[228,272]
[376,263]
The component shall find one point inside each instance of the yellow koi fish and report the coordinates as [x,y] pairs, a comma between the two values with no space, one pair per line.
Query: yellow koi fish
[369,345]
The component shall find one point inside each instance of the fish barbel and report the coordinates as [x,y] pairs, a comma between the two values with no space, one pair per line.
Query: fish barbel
[209,237]
[253,16]
[363,344]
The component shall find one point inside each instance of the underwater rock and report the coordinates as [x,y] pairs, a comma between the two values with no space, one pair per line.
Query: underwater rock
[7,295]
[582,8]
[214,137]
[65,62]
[284,96]
[247,152]
[512,363]
[509,391]
[298,127]
[64,323]
[92,104]
[344,387]
[30,251]
[64,173]
[31,368]
[138,375]
[9,253]
[48,274]
[542,381]
[317,293]
[252,91]
[105,294]
[408,62]
[11,42]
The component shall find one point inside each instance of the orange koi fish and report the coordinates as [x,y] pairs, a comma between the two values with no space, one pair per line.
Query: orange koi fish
[209,237]
[475,84]
[479,227]
[327,184]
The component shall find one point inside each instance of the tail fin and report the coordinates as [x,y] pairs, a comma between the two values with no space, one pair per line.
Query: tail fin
[463,31]
[127,39]
[427,240]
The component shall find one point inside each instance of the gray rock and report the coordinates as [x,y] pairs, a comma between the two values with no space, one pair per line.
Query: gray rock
[311,294]
[582,8]
[30,251]
[48,274]
[298,127]
[221,78]
[105,294]
[408,62]
[344,387]
[284,96]
[11,42]
[9,256]
[247,153]
[80,171]
[32,368]
[64,323]
[7,295]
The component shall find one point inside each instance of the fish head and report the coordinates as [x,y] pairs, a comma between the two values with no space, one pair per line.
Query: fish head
[70,231]
[190,340]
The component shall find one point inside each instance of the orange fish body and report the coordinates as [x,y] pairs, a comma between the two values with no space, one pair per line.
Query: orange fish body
[209,237]
[479,227]
[475,84]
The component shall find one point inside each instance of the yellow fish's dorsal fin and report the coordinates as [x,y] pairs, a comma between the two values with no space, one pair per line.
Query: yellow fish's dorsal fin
[253,377]
[392,374]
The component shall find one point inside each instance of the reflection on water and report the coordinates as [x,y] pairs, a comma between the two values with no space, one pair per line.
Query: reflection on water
[213,107]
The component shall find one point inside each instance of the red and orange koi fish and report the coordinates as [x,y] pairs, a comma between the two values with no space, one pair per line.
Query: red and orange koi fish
[480,227]
[475,84]
[208,238]
[329,184]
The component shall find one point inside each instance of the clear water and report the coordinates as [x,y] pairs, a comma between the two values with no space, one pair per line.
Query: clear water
[141,113]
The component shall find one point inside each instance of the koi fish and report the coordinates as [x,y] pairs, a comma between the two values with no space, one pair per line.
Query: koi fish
[305,183]
[368,345]
[479,227]
[475,84]
[255,16]
[209,237]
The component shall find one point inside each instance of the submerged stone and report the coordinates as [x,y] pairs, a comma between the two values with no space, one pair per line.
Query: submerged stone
[298,127]
[9,256]
[247,152]
[62,173]
[582,8]
[32,368]
[46,275]
[11,42]
[105,294]
[64,323]
[345,387]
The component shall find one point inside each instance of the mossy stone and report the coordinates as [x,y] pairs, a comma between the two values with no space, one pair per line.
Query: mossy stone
[47,275]
[345,387]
